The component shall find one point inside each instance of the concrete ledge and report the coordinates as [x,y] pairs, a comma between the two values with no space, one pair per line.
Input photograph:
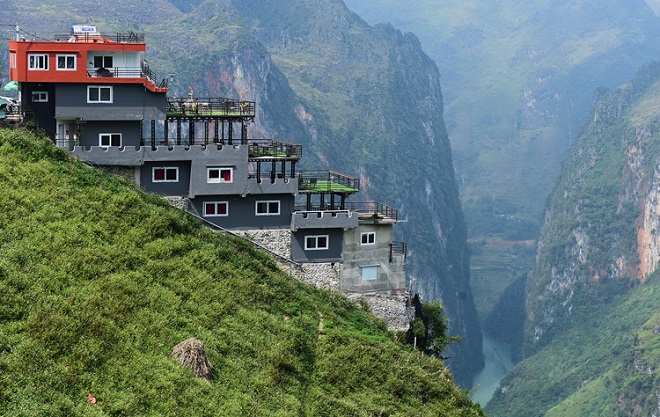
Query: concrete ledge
[335,219]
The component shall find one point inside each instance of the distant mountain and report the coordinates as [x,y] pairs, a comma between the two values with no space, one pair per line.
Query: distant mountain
[518,80]
[592,327]
[362,100]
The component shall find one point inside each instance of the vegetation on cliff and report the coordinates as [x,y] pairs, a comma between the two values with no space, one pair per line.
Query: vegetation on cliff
[591,331]
[100,281]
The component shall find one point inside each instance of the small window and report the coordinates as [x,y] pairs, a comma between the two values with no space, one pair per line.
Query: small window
[40,96]
[216,209]
[110,139]
[368,238]
[316,242]
[66,62]
[99,94]
[165,174]
[268,208]
[103,62]
[38,61]
[218,175]
[369,273]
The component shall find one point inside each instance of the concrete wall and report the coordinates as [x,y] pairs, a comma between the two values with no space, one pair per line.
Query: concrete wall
[179,188]
[129,130]
[129,102]
[332,254]
[44,112]
[242,211]
[324,219]
[390,277]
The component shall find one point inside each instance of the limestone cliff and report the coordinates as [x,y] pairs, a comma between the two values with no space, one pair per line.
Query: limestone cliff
[600,237]
[362,100]
[371,105]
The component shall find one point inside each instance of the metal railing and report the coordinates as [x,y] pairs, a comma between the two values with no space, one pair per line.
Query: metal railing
[143,71]
[327,181]
[129,37]
[261,148]
[372,209]
[211,106]
[398,249]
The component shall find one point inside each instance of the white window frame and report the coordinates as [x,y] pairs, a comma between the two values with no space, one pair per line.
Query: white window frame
[39,96]
[367,238]
[215,204]
[110,135]
[66,62]
[369,272]
[36,64]
[99,87]
[153,174]
[220,179]
[12,59]
[315,239]
[267,204]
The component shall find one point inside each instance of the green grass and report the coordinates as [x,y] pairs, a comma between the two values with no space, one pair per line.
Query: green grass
[100,281]
[326,185]
[597,361]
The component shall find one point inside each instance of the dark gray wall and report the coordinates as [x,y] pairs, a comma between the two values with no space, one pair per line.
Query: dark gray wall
[179,188]
[44,113]
[333,254]
[130,102]
[242,211]
[130,130]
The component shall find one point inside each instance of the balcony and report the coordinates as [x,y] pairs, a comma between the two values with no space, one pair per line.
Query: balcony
[328,219]
[373,212]
[209,107]
[398,251]
[143,71]
[267,149]
[327,182]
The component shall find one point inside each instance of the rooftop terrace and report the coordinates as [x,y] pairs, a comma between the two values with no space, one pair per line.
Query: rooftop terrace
[210,107]
[327,182]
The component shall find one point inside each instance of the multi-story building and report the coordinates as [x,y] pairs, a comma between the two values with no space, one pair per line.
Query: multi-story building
[98,98]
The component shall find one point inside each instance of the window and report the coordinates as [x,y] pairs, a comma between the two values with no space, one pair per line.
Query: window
[40,96]
[38,61]
[216,209]
[219,175]
[99,94]
[368,238]
[268,208]
[12,59]
[369,273]
[165,174]
[66,62]
[103,62]
[316,242]
[110,139]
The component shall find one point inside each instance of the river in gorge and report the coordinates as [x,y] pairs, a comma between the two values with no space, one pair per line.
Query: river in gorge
[497,357]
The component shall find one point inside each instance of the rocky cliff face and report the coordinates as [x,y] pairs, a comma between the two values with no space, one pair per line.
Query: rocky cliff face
[371,104]
[362,100]
[600,235]
[593,330]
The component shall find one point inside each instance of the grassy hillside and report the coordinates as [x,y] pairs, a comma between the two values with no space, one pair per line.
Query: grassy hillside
[99,281]
[605,365]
